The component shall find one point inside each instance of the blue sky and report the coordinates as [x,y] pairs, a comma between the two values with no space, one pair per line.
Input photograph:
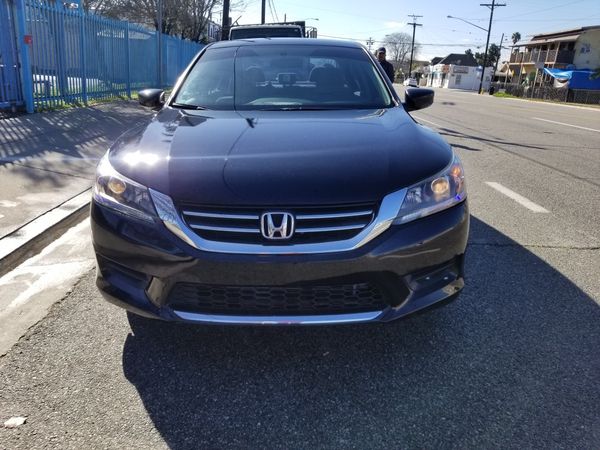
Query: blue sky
[359,20]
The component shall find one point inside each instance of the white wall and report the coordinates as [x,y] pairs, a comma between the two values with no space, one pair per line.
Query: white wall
[587,50]
[461,77]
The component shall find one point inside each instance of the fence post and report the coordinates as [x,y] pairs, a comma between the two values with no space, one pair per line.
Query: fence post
[25,65]
[57,31]
[83,44]
[127,56]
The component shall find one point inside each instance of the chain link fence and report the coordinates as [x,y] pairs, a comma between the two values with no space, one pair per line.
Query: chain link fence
[551,93]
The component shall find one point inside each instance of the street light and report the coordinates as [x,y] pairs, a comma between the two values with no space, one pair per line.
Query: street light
[466,21]
[489,29]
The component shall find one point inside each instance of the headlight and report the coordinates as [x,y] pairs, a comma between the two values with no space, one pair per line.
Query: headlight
[440,192]
[118,192]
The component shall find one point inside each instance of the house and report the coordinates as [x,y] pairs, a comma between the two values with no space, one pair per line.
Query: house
[457,71]
[578,48]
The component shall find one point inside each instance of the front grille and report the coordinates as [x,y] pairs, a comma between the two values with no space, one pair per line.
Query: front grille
[274,300]
[312,225]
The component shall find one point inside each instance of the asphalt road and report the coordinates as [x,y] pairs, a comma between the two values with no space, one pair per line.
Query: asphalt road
[514,363]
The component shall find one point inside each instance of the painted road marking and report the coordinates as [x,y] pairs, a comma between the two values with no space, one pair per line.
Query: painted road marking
[428,121]
[566,124]
[517,197]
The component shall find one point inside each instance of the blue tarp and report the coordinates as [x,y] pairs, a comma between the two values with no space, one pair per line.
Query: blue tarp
[578,79]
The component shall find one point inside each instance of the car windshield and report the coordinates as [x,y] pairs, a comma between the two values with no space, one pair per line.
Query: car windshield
[284,77]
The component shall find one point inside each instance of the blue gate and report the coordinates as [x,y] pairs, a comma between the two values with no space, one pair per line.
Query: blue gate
[53,53]
[10,87]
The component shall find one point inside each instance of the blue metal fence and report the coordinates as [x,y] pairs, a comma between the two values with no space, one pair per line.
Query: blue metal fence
[10,87]
[76,56]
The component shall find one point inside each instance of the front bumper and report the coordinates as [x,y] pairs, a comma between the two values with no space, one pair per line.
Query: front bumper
[413,266]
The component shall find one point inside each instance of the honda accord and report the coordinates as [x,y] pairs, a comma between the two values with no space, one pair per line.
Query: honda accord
[281,182]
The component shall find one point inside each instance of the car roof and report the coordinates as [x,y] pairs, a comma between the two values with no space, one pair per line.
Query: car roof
[287,41]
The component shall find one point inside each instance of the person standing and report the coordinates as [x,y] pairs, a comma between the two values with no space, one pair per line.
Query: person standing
[387,66]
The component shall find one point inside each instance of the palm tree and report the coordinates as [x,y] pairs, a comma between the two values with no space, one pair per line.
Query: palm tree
[516,37]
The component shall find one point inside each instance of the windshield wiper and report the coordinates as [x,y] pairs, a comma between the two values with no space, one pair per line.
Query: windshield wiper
[186,106]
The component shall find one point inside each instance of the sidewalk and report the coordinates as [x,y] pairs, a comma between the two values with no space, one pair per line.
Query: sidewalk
[49,158]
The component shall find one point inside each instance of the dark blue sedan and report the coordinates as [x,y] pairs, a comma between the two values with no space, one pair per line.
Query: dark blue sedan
[282,182]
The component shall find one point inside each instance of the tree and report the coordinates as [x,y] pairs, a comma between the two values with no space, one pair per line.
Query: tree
[494,52]
[398,46]
[493,55]
[516,37]
[187,19]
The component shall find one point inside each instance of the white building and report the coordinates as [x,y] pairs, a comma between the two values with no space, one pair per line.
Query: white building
[458,71]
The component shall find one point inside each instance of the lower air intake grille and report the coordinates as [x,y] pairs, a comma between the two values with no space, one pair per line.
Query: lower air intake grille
[267,300]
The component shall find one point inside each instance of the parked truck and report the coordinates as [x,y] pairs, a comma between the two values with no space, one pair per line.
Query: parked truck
[271,30]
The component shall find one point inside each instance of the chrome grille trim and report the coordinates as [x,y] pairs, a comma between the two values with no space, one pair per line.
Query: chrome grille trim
[221,216]
[388,211]
[329,229]
[333,216]
[226,229]
[311,224]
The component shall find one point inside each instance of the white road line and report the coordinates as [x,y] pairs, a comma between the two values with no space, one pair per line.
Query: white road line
[428,121]
[517,198]
[567,124]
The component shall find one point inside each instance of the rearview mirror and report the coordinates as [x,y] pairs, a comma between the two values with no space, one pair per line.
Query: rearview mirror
[153,98]
[418,98]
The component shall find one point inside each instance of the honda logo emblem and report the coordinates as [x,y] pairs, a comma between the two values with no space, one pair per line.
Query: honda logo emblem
[277,225]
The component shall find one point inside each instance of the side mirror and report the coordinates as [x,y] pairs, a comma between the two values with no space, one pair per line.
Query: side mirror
[418,98]
[153,98]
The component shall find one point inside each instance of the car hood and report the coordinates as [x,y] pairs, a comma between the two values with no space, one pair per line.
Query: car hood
[280,157]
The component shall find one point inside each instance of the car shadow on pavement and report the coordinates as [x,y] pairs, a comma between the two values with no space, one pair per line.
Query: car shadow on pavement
[514,362]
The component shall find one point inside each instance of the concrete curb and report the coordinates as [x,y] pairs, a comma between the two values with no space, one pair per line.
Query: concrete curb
[32,237]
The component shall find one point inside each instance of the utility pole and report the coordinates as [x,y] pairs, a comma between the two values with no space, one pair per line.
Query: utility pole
[487,42]
[414,24]
[262,12]
[225,23]
[499,56]
[370,42]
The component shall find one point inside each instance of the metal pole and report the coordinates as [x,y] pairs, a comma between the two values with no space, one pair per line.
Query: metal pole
[128,56]
[225,22]
[262,12]
[412,50]
[412,45]
[25,66]
[159,21]
[83,45]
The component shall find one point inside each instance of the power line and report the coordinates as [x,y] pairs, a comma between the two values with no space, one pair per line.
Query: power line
[472,44]
[271,11]
[542,10]
[274,11]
